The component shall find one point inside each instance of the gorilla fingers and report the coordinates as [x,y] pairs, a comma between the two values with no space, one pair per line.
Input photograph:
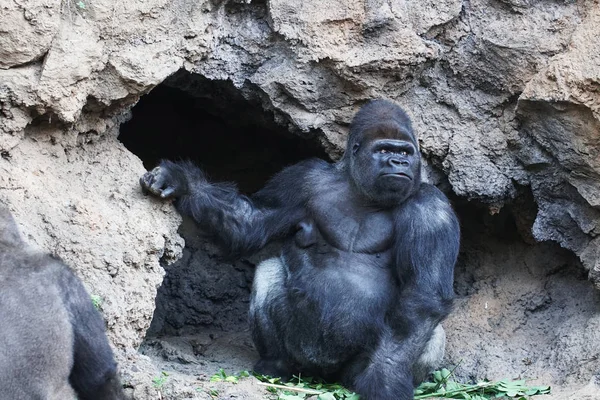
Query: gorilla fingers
[52,340]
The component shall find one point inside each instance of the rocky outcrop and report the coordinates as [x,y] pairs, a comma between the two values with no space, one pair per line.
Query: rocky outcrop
[504,95]
[560,110]
[493,87]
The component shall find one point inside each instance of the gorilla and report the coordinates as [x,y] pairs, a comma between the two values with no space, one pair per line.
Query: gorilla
[365,273]
[52,340]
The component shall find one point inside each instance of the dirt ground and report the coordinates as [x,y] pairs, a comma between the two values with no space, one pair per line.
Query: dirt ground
[522,311]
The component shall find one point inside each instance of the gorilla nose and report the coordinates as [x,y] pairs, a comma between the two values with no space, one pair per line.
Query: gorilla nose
[398,162]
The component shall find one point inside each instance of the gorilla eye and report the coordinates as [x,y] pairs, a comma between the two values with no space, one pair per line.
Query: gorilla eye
[403,152]
[383,151]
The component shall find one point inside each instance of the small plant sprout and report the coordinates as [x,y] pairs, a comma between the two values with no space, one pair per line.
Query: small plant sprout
[97,301]
[160,380]
[222,376]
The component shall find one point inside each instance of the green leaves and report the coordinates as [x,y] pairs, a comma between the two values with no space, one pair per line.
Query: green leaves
[222,376]
[160,380]
[97,301]
[447,389]
[518,388]
[301,388]
[441,376]
[326,396]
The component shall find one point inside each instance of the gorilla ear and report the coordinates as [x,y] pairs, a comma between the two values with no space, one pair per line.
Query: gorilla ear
[355,148]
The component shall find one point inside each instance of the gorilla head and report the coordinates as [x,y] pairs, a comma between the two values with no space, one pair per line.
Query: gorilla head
[382,154]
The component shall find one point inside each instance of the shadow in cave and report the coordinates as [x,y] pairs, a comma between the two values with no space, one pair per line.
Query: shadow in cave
[515,302]
[213,124]
[202,305]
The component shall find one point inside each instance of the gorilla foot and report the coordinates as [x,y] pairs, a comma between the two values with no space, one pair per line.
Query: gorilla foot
[274,368]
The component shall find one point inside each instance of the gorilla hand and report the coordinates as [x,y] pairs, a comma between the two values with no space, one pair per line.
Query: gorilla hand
[165,181]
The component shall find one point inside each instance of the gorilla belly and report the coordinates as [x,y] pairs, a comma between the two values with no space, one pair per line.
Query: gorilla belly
[338,301]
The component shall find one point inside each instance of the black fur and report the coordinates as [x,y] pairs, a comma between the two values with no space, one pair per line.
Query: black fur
[366,269]
[52,339]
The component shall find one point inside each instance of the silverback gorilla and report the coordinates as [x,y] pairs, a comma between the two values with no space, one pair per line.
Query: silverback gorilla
[365,273]
[52,340]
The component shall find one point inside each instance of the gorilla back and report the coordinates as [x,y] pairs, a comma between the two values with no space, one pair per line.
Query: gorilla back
[52,340]
[366,269]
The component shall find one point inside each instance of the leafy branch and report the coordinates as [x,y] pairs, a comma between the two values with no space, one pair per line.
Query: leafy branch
[443,387]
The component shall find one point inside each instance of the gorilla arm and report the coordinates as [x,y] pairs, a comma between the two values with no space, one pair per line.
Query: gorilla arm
[426,247]
[239,224]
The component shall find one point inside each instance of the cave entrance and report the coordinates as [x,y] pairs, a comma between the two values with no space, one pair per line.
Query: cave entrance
[223,129]
[202,304]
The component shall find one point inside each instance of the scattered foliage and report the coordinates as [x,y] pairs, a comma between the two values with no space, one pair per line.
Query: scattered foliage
[443,387]
[222,376]
[301,388]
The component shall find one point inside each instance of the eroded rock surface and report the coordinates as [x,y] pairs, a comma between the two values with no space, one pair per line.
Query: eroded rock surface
[504,96]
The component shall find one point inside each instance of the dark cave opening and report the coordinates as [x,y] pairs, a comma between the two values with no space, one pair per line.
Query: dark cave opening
[212,123]
[228,133]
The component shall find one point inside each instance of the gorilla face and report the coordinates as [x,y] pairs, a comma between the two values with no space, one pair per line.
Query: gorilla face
[386,165]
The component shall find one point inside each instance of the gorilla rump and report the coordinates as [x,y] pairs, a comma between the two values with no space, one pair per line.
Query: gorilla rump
[52,340]
[365,273]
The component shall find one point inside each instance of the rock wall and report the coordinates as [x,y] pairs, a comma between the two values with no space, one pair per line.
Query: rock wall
[504,95]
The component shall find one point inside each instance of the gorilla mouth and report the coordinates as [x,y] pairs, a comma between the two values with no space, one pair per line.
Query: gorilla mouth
[398,175]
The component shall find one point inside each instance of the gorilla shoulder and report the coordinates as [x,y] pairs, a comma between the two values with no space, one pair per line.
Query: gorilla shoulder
[430,206]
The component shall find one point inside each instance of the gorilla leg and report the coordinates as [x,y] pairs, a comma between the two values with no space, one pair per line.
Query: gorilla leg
[94,372]
[380,373]
[432,355]
[267,302]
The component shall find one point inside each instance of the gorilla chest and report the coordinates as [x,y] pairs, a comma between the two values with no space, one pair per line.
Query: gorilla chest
[341,260]
[344,226]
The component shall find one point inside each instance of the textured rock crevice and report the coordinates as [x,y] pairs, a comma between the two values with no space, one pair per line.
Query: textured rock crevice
[516,305]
